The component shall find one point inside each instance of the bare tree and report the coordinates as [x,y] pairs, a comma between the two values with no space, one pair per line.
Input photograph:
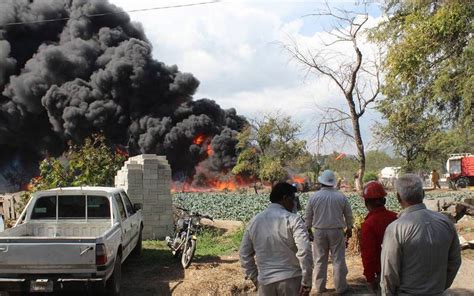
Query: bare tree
[355,76]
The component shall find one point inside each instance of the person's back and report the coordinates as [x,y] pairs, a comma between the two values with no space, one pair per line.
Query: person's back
[420,253]
[378,223]
[435,176]
[328,212]
[328,206]
[372,231]
[275,252]
[425,238]
[274,245]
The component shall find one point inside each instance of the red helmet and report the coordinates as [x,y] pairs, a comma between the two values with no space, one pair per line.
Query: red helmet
[374,189]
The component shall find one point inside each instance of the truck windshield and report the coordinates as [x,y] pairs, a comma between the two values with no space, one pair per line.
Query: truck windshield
[455,166]
[71,207]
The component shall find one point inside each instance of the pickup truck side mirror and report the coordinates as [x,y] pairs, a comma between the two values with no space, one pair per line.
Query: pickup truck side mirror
[137,206]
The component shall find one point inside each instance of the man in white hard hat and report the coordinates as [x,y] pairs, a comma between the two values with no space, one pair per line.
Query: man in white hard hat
[328,212]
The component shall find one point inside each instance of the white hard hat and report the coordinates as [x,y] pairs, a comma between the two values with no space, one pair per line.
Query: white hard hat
[327,178]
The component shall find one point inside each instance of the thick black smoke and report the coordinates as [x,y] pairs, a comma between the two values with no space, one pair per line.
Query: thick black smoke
[65,80]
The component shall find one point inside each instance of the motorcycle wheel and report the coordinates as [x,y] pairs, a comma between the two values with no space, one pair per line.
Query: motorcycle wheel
[188,253]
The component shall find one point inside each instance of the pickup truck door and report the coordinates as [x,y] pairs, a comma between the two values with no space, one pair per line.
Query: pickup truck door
[133,218]
[126,226]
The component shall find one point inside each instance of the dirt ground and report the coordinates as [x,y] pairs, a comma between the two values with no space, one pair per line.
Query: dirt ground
[159,274]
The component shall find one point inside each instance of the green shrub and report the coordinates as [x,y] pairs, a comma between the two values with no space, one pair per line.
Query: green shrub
[92,164]
[370,176]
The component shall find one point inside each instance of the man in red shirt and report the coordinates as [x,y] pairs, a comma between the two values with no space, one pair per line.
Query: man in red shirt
[373,230]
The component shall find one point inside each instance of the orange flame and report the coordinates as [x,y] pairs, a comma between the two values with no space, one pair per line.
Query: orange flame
[121,152]
[230,184]
[209,150]
[199,139]
[223,185]
[30,186]
[297,179]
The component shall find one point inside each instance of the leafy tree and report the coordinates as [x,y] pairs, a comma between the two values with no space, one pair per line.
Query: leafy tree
[377,160]
[346,167]
[439,146]
[92,164]
[268,147]
[408,129]
[429,78]
[308,165]
[370,176]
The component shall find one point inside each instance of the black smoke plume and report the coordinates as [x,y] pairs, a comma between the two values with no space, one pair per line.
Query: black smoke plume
[66,79]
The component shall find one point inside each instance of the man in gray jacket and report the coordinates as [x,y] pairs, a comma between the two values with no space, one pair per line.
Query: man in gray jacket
[275,252]
[420,251]
[328,212]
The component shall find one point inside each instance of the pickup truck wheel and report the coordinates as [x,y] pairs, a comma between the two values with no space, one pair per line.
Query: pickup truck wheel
[137,251]
[114,284]
[188,253]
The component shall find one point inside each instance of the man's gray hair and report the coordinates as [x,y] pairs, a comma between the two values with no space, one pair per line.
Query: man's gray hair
[410,188]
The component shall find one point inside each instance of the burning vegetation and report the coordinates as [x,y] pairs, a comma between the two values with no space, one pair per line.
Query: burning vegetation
[65,80]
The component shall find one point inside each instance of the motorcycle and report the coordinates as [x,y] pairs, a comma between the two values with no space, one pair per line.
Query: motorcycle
[184,238]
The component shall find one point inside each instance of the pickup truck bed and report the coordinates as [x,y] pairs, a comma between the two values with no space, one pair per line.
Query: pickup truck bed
[70,238]
[58,229]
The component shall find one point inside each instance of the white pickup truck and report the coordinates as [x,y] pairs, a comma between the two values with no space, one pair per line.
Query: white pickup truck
[71,238]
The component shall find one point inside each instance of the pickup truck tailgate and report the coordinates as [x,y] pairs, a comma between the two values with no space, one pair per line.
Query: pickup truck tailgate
[30,256]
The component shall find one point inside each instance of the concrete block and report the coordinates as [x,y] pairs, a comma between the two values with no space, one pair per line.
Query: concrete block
[165,218]
[160,232]
[147,202]
[150,184]
[155,161]
[147,180]
[148,156]
[151,176]
[134,166]
[148,172]
[166,203]
[152,219]
[164,188]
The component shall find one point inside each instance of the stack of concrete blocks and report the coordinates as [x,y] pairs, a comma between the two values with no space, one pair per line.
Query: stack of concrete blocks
[147,179]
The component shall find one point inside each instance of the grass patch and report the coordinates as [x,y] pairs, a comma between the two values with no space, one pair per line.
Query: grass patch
[156,251]
[211,242]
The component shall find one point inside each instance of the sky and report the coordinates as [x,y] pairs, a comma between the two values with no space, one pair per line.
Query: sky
[235,49]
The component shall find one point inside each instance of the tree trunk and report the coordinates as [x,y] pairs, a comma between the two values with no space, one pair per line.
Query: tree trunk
[360,154]
[359,143]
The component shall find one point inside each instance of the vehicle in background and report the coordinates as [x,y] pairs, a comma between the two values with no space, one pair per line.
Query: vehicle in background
[388,175]
[71,238]
[460,168]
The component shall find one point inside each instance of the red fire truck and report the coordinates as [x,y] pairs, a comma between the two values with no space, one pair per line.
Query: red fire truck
[460,168]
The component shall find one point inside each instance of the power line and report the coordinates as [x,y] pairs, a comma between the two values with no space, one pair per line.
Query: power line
[110,13]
